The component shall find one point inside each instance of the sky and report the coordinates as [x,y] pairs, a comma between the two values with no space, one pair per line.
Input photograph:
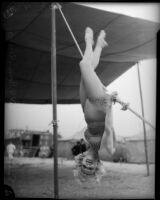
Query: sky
[149,11]
[38,117]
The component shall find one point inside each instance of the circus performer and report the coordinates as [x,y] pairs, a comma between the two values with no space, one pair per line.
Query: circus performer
[97,107]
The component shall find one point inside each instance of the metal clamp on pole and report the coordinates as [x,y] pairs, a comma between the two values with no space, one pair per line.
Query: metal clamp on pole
[55,122]
[54,6]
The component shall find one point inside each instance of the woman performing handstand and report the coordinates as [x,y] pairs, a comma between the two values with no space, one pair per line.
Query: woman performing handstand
[97,108]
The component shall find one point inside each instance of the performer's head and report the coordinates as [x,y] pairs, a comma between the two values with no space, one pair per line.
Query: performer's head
[88,165]
[88,169]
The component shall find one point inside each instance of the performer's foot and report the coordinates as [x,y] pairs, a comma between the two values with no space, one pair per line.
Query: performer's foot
[101,39]
[89,35]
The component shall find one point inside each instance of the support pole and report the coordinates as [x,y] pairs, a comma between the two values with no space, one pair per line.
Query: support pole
[54,94]
[144,127]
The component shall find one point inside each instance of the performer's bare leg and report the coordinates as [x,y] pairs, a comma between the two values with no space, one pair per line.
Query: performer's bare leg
[93,86]
[89,51]
[95,57]
[101,43]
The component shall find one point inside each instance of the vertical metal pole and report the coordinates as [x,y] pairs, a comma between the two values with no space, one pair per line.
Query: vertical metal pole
[54,94]
[144,127]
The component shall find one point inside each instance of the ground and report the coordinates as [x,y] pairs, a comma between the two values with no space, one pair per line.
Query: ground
[33,177]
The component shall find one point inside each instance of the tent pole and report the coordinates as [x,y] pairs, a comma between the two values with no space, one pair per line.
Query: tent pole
[144,127]
[54,94]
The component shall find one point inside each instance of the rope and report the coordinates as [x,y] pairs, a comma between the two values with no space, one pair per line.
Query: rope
[79,49]
[125,106]
[141,118]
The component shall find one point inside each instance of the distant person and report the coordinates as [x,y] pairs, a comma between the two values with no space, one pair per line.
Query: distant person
[21,154]
[10,150]
[44,151]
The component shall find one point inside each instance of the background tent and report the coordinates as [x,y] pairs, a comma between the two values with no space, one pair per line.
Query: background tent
[27,27]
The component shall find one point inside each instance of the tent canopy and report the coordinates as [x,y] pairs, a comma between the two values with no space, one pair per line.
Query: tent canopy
[27,27]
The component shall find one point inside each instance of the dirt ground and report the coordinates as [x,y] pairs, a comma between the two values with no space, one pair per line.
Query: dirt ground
[33,177]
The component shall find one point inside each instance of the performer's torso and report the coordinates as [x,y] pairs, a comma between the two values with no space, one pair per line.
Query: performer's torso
[96,116]
[92,113]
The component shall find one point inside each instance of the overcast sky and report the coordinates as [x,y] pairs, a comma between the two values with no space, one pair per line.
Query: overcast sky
[71,117]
